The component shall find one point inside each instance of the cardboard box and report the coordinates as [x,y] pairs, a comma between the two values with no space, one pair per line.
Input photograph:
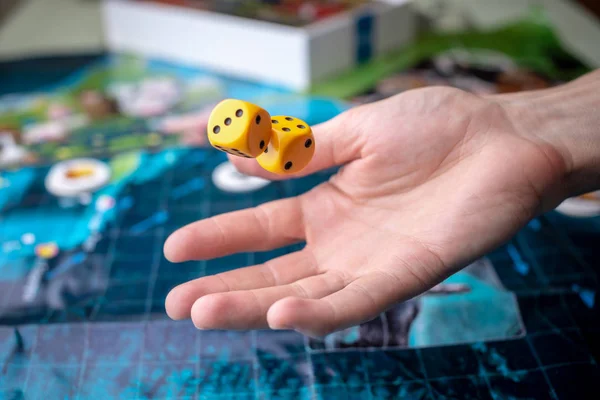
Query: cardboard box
[292,56]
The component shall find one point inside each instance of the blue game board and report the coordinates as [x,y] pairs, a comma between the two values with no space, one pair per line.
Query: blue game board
[83,279]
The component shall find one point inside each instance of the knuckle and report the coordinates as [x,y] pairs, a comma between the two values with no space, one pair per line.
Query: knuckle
[270,274]
[264,219]
[300,290]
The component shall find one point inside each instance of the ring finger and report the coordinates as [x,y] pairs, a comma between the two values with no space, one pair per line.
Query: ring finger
[247,309]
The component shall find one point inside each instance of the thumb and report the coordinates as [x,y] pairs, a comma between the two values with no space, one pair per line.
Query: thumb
[337,141]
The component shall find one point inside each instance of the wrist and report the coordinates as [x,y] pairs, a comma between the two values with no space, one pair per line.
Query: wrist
[567,119]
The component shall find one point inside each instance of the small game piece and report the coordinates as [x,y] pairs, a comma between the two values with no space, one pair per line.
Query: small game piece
[228,179]
[72,178]
[239,128]
[46,250]
[291,148]
[28,238]
[583,206]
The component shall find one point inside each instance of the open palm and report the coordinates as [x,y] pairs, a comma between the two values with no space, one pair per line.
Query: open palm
[431,179]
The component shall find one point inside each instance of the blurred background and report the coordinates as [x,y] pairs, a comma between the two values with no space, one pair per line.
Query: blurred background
[70,26]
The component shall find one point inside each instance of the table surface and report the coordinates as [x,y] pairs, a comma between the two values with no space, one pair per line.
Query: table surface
[521,323]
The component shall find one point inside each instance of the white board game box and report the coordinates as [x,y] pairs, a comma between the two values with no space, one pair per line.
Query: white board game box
[291,44]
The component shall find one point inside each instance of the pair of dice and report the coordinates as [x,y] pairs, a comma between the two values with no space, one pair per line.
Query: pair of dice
[280,144]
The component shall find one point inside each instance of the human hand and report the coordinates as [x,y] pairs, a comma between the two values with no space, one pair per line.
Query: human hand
[432,179]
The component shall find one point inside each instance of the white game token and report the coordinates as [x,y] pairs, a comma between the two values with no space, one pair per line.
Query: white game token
[76,177]
[581,206]
[227,178]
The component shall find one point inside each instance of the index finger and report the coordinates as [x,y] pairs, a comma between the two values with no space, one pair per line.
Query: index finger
[265,227]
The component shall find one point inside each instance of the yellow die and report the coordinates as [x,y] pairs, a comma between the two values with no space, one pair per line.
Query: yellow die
[291,148]
[239,128]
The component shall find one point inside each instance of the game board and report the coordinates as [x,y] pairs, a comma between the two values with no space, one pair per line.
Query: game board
[83,279]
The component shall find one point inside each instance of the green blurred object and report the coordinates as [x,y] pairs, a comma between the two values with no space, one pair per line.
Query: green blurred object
[531,43]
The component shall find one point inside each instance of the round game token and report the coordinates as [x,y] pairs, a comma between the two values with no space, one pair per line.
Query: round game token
[74,177]
[584,206]
[227,178]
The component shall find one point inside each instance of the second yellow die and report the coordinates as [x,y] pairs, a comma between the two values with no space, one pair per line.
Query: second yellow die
[291,148]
